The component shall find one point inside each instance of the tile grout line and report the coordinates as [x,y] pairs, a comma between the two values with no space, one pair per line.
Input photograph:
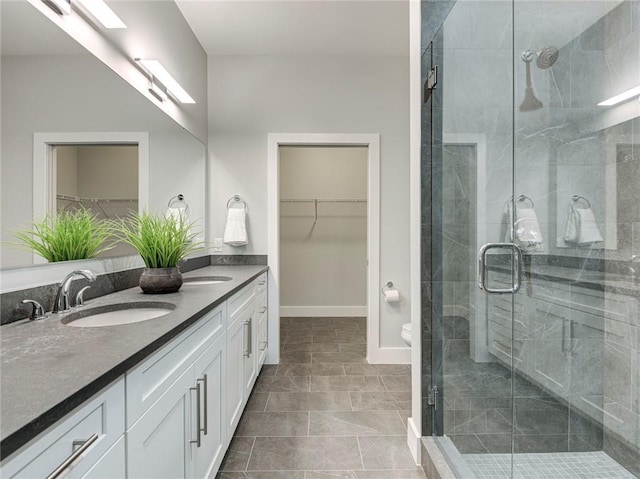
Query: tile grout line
[246,467]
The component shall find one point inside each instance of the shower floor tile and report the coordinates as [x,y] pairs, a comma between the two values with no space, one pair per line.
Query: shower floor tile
[566,465]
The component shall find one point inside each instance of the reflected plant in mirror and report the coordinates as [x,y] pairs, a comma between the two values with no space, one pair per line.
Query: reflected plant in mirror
[71,235]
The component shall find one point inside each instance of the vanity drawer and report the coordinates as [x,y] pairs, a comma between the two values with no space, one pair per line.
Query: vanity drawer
[101,420]
[151,378]
[239,301]
[261,283]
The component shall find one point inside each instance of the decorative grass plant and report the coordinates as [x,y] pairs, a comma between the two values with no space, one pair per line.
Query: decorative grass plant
[162,242]
[71,235]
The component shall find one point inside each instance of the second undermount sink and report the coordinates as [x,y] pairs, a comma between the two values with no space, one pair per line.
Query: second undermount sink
[205,280]
[117,314]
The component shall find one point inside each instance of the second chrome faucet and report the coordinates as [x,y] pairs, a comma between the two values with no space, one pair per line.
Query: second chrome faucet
[62,302]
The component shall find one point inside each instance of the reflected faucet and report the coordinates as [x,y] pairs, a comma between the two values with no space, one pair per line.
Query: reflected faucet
[62,303]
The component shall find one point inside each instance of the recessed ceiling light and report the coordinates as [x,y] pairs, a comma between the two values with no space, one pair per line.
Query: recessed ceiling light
[103,13]
[155,68]
[625,95]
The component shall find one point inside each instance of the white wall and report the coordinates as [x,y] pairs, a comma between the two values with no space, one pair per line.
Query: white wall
[250,96]
[323,261]
[67,170]
[108,171]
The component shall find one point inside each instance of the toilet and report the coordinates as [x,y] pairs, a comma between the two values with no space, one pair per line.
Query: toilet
[406,333]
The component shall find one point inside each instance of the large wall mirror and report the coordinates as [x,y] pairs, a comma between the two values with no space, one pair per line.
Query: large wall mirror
[73,133]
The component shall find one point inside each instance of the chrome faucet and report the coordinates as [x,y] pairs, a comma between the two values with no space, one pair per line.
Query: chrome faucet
[62,303]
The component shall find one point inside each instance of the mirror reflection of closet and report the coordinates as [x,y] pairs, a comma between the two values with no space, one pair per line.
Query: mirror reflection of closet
[102,179]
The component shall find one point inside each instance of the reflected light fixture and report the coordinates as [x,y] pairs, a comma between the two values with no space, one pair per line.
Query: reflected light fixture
[103,13]
[625,95]
[157,92]
[155,68]
[61,7]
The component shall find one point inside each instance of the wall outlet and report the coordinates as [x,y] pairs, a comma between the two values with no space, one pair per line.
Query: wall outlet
[217,245]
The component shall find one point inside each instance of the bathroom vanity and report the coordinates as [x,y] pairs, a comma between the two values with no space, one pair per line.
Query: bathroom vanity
[157,398]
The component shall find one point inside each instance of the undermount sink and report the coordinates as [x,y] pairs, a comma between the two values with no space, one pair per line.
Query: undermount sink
[117,314]
[205,280]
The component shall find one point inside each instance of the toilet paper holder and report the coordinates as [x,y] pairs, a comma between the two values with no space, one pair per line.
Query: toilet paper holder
[387,286]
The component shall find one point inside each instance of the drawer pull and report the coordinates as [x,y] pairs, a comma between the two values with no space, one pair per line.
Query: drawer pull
[68,462]
[247,350]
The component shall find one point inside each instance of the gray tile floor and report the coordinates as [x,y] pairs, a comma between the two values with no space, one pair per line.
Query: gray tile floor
[324,412]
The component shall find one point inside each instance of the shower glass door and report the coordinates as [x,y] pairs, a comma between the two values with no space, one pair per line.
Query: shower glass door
[538,150]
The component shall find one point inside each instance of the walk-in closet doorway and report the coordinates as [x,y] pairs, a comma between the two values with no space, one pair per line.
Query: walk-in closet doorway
[324,231]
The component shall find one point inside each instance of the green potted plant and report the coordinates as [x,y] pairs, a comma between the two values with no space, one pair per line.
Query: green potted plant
[161,242]
[71,235]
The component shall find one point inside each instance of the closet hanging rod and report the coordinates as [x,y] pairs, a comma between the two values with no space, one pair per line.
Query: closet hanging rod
[321,201]
[80,199]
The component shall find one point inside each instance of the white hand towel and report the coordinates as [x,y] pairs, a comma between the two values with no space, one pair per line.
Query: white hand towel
[179,215]
[528,236]
[588,232]
[571,231]
[235,232]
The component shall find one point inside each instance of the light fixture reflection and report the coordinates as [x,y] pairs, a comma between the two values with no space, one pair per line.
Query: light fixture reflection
[625,95]
[103,13]
[155,68]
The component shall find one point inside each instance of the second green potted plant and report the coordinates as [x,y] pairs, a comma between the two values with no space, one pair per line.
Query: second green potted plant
[161,242]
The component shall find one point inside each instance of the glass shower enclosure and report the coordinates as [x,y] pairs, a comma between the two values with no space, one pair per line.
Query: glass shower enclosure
[533,134]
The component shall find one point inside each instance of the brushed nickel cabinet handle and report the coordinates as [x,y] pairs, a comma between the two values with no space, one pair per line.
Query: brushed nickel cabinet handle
[206,419]
[198,441]
[68,462]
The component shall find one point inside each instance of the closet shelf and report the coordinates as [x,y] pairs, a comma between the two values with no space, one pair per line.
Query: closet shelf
[80,199]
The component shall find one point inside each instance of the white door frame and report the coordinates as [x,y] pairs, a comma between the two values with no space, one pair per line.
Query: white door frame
[44,166]
[372,142]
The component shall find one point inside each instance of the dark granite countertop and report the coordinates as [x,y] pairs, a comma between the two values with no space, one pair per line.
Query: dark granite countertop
[618,283]
[48,369]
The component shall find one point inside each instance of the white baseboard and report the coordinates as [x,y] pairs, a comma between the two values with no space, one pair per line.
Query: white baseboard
[389,355]
[413,440]
[322,311]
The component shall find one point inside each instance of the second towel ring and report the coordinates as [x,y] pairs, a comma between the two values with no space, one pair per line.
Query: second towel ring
[576,198]
[178,201]
[237,199]
[522,198]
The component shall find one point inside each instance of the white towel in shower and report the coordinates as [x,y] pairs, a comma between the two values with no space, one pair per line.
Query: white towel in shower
[582,228]
[235,232]
[528,236]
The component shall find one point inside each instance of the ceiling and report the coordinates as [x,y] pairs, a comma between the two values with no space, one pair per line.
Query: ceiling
[299,27]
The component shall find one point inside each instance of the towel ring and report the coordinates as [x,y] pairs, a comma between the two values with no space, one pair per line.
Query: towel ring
[387,286]
[237,199]
[179,198]
[522,198]
[576,198]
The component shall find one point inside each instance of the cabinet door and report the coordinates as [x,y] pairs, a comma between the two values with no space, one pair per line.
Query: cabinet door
[553,347]
[236,344]
[250,366]
[209,371]
[158,444]
[111,465]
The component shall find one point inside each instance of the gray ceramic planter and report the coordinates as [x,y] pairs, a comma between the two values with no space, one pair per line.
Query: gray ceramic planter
[160,280]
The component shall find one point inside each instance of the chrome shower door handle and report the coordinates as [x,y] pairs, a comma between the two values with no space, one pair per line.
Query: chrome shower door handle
[482,268]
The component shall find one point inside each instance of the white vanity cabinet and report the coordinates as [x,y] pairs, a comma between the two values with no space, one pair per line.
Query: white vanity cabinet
[88,443]
[181,432]
[180,410]
[262,319]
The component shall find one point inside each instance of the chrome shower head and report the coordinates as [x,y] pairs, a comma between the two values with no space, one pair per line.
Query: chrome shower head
[547,57]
